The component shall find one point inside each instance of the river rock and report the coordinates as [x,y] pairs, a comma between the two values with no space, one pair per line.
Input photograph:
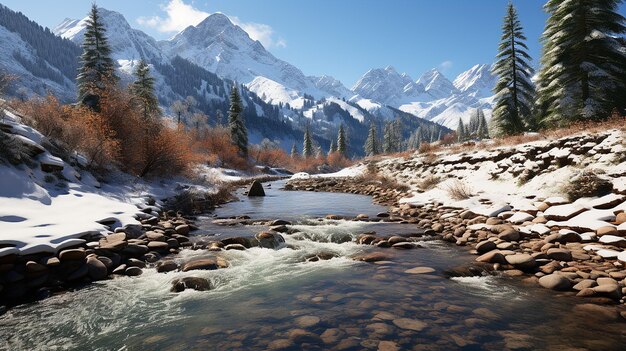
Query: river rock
[166,266]
[133,271]
[234,247]
[97,269]
[559,254]
[72,255]
[403,246]
[485,246]
[158,246]
[387,346]
[522,261]
[410,324]
[256,189]
[611,291]
[555,281]
[419,270]
[493,256]
[195,283]
[182,229]
[281,344]
[202,263]
[307,321]
[509,235]
[301,336]
[269,240]
[371,257]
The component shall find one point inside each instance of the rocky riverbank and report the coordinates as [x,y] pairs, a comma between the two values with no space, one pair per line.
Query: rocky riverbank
[574,247]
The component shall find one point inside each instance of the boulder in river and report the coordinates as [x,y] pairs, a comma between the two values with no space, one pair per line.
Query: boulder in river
[256,189]
[194,283]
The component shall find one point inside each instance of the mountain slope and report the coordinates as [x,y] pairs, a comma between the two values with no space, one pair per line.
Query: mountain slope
[42,61]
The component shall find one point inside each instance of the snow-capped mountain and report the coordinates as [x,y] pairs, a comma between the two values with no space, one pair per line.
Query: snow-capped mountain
[127,43]
[387,86]
[225,49]
[478,81]
[433,96]
[437,85]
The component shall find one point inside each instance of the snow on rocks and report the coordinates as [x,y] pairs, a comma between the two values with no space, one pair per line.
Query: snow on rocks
[563,212]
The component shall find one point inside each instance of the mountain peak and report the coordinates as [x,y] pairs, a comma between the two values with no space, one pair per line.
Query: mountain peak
[478,80]
[216,20]
[436,84]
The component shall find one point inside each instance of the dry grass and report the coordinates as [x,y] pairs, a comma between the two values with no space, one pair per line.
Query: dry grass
[459,190]
[430,182]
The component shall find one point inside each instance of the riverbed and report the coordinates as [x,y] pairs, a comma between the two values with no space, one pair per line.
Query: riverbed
[277,299]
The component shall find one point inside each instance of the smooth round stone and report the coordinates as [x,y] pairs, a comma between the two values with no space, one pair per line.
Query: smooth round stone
[485,246]
[419,270]
[280,344]
[167,266]
[235,247]
[133,271]
[307,321]
[97,269]
[72,255]
[387,346]
[410,324]
[555,282]
[204,263]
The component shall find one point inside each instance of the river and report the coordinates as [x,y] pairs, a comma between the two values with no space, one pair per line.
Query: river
[275,298]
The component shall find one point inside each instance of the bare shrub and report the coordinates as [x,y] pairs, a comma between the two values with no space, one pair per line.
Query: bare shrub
[459,190]
[587,184]
[429,182]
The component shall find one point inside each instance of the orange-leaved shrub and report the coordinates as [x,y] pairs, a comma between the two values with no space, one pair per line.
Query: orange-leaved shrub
[73,129]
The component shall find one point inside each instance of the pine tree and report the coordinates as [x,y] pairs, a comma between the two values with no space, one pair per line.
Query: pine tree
[143,89]
[483,127]
[460,132]
[294,151]
[307,144]
[342,148]
[333,147]
[97,68]
[238,131]
[514,90]
[371,143]
[583,64]
[472,128]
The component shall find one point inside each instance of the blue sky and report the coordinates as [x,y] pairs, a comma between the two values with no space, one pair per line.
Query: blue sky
[341,38]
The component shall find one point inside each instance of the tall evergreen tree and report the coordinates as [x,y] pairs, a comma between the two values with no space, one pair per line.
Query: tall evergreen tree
[460,132]
[238,131]
[583,66]
[415,139]
[514,90]
[483,127]
[97,68]
[371,143]
[143,89]
[342,147]
[307,144]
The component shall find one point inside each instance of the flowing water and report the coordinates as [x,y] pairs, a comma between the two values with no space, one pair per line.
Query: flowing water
[265,294]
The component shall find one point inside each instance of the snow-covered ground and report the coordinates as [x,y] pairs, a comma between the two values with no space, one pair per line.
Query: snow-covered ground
[46,211]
